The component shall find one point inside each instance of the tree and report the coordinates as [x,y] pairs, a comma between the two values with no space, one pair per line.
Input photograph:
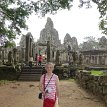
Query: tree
[102,8]
[15,13]
[89,44]
[103,42]
[103,25]
[51,6]
[103,11]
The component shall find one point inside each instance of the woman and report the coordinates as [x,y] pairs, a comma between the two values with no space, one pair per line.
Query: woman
[49,86]
[40,60]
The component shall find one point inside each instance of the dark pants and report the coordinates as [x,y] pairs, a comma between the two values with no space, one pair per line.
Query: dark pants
[39,63]
[30,64]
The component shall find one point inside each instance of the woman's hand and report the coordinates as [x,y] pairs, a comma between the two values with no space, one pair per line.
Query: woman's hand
[43,92]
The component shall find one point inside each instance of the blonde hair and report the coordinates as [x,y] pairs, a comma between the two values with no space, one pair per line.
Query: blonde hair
[49,63]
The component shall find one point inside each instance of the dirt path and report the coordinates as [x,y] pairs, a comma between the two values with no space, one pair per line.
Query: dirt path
[24,94]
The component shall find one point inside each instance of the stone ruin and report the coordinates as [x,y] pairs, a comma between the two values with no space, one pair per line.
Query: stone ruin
[26,48]
[49,33]
[49,37]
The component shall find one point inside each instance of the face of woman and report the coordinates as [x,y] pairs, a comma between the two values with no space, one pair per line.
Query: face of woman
[49,68]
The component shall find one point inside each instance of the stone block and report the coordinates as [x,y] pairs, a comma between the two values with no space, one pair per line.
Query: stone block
[104,89]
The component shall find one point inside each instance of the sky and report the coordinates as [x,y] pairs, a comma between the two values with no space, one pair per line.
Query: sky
[78,22]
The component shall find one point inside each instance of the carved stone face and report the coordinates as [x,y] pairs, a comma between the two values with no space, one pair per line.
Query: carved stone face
[49,33]
[49,24]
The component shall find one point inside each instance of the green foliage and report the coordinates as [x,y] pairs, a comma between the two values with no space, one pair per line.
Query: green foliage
[102,41]
[90,43]
[103,25]
[58,70]
[4,82]
[102,7]
[10,44]
[96,1]
[16,12]
[8,73]
[51,6]
[71,80]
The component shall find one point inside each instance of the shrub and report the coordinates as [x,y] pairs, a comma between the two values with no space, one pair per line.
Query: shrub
[8,73]
[58,70]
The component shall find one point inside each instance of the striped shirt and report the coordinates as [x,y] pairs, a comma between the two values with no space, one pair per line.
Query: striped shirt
[51,87]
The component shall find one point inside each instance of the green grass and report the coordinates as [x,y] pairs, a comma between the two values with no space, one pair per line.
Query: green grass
[69,79]
[97,73]
[5,82]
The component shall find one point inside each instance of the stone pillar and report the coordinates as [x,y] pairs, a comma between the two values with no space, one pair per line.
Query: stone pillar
[88,59]
[0,56]
[48,51]
[10,58]
[91,59]
[97,59]
[3,55]
[24,54]
[30,46]
[27,48]
[15,55]
[100,60]
[57,57]
[33,51]
[53,55]
[105,60]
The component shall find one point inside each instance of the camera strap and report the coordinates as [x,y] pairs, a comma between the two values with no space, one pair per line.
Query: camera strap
[48,81]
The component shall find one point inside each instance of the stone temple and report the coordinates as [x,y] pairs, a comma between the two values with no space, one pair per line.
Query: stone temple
[48,36]
[49,33]
[48,45]
[62,53]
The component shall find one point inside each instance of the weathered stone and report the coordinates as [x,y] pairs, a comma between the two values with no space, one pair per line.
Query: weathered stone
[96,78]
[10,58]
[49,33]
[104,89]
[95,84]
[105,98]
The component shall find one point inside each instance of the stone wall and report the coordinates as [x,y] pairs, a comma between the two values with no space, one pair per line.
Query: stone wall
[95,84]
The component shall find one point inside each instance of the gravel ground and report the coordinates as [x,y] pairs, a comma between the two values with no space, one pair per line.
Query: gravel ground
[25,94]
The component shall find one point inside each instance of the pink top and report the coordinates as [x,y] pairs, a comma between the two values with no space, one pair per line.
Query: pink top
[40,58]
[51,86]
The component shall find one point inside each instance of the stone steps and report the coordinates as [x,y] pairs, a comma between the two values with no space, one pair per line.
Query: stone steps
[31,74]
